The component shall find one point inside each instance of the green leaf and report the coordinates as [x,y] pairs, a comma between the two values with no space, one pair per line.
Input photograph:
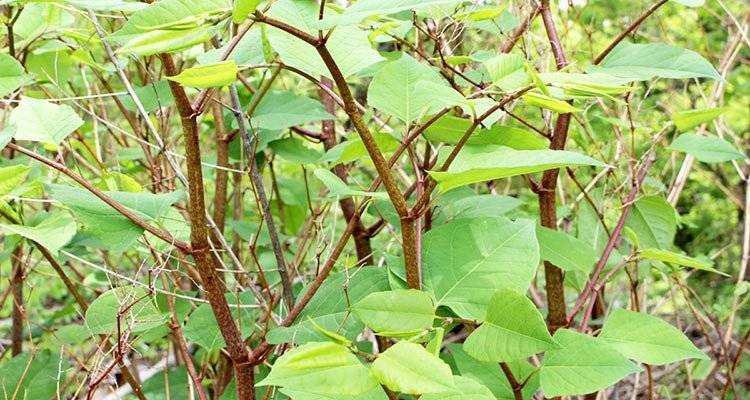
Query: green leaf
[548,102]
[396,311]
[708,149]
[582,365]
[678,259]
[329,307]
[295,150]
[12,177]
[395,89]
[477,206]
[348,45]
[43,121]
[202,328]
[206,76]
[375,393]
[654,221]
[53,232]
[507,71]
[449,129]
[687,120]
[490,375]
[513,329]
[153,96]
[105,226]
[367,8]
[168,26]
[325,368]
[353,149]
[647,339]
[12,75]
[283,109]
[408,368]
[565,251]
[479,164]
[248,51]
[641,62]
[243,8]
[32,375]
[133,306]
[466,389]
[337,188]
[470,259]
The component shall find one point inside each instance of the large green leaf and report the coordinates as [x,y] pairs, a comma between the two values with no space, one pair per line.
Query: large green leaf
[43,121]
[394,89]
[507,71]
[53,230]
[12,177]
[103,225]
[408,368]
[337,188]
[325,368]
[130,304]
[169,25]
[686,120]
[348,45]
[466,389]
[353,149]
[375,393]
[283,109]
[478,164]
[202,328]
[647,339]
[490,374]
[708,149]
[208,75]
[367,8]
[476,206]
[32,375]
[466,261]
[12,75]
[449,129]
[513,329]
[654,221]
[582,365]
[396,311]
[328,308]
[565,251]
[640,62]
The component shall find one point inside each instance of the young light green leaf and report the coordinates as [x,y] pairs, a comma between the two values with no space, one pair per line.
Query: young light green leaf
[507,71]
[53,230]
[337,187]
[394,89]
[408,368]
[686,120]
[654,221]
[12,75]
[326,368]
[640,62]
[513,329]
[165,41]
[466,389]
[130,304]
[242,8]
[396,311]
[548,102]
[375,393]
[12,177]
[470,259]
[581,365]
[348,45]
[708,149]
[283,109]
[678,259]
[42,121]
[565,251]
[209,75]
[479,164]
[647,339]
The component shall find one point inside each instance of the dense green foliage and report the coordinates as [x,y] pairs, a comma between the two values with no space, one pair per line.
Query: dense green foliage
[374,199]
